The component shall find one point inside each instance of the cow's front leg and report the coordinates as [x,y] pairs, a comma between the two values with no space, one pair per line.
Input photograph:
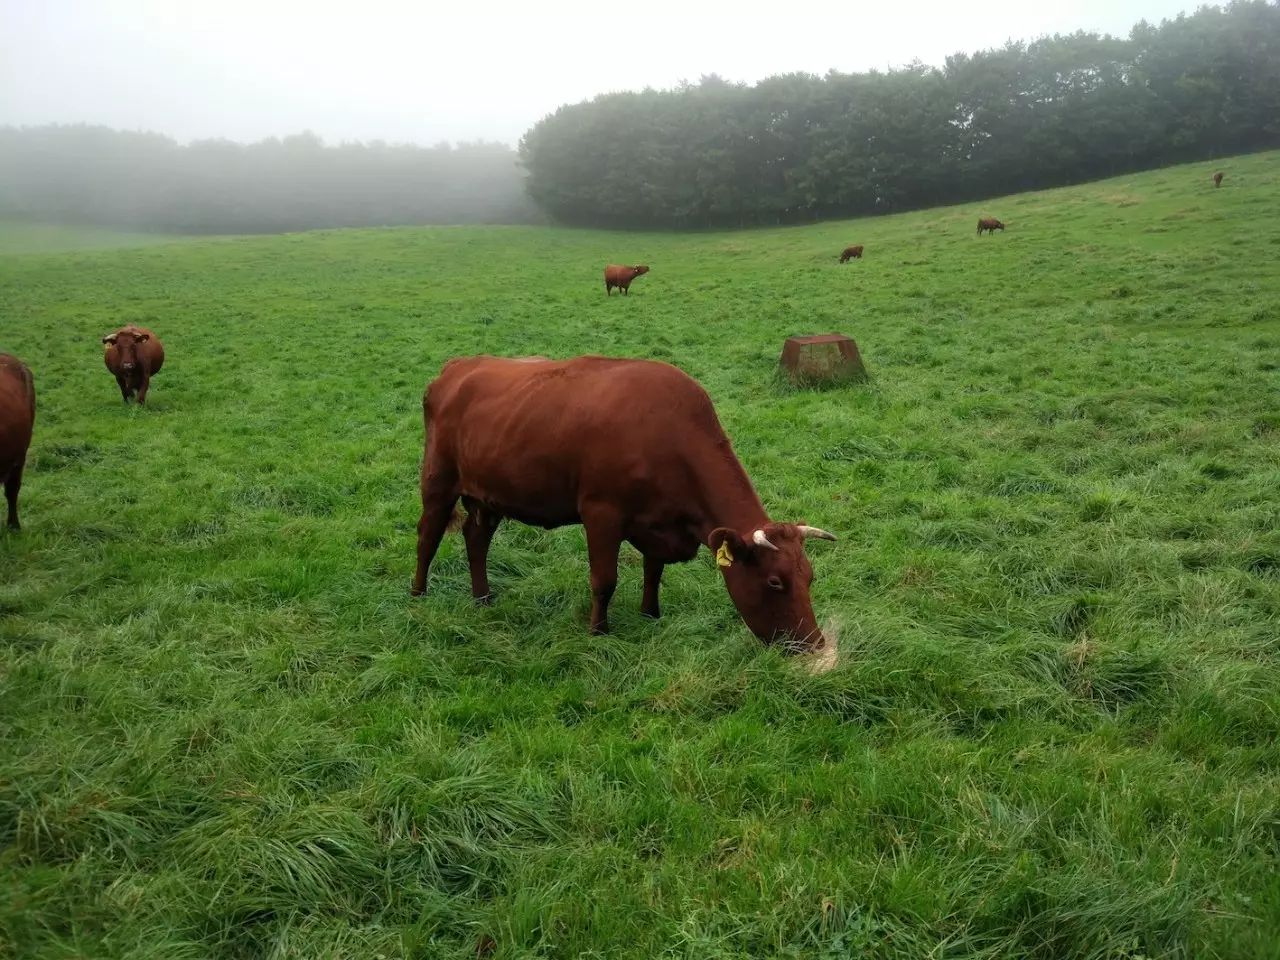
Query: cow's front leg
[604,537]
[142,389]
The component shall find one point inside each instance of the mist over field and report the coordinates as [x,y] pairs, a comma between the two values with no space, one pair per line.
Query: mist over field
[892,116]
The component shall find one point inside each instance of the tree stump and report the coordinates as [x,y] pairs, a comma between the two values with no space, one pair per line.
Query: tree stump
[826,357]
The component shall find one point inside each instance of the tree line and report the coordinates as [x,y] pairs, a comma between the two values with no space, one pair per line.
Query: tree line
[91,174]
[788,149]
[800,147]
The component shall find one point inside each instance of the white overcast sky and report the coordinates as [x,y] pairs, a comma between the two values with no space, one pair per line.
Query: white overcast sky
[424,71]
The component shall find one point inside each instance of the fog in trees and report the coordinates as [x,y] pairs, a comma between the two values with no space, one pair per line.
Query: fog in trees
[790,148]
[90,174]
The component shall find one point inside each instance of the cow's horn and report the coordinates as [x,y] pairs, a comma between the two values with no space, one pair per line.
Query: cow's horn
[761,540]
[808,532]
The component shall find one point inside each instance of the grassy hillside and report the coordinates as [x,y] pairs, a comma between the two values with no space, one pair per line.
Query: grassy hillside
[228,732]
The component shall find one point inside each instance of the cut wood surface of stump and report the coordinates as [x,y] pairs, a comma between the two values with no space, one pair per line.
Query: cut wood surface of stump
[822,357]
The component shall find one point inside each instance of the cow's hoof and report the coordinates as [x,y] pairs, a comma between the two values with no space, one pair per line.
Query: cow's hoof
[485,601]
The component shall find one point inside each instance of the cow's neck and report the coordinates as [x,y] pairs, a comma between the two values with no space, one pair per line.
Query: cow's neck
[725,496]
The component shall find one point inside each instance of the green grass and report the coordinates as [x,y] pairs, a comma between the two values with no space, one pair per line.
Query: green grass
[226,731]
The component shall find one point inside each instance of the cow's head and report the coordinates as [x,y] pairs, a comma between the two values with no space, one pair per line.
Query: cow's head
[768,577]
[126,343]
[640,269]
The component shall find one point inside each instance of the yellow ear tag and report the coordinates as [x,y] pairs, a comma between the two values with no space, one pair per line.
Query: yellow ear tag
[723,557]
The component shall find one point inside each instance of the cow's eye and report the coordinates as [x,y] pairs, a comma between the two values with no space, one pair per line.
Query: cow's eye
[775,582]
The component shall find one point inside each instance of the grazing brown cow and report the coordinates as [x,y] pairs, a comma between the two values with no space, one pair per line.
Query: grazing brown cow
[851,253]
[990,224]
[1217,179]
[134,355]
[621,277]
[632,450]
[17,418]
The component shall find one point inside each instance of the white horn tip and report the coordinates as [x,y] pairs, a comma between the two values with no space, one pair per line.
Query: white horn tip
[815,532]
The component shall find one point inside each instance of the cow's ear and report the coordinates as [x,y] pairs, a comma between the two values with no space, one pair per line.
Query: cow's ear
[142,337]
[728,547]
[109,338]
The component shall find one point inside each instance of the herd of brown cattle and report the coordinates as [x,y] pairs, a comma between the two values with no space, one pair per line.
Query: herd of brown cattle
[132,354]
[630,449]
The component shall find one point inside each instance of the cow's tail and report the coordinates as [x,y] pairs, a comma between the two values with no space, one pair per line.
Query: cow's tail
[29,383]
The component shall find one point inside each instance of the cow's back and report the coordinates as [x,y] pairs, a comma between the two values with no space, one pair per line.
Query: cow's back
[533,437]
[17,411]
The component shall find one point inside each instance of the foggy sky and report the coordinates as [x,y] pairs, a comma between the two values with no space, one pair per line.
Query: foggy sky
[424,71]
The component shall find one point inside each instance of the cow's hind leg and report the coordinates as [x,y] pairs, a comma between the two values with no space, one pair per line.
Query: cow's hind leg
[12,484]
[478,532]
[439,497]
[604,537]
[652,580]
[142,390]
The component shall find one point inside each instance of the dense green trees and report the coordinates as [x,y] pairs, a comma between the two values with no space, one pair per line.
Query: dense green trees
[798,147]
[85,174]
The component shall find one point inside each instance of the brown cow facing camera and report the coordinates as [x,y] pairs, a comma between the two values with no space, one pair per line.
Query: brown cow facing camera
[17,420]
[134,355]
[630,449]
[621,277]
[851,253]
[1217,179]
[990,224]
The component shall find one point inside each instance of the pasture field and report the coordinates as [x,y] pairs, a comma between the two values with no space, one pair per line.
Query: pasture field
[226,730]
